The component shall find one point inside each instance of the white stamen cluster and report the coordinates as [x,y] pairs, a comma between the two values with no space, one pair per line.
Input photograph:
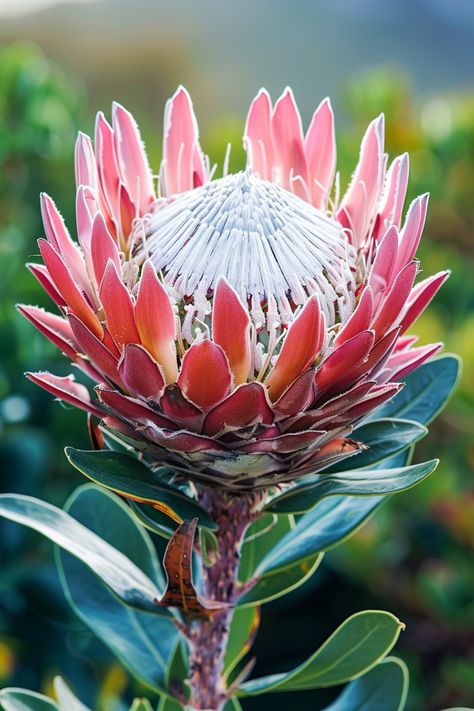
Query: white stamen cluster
[273,247]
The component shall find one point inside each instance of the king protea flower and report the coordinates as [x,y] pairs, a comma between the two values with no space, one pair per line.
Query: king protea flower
[236,328]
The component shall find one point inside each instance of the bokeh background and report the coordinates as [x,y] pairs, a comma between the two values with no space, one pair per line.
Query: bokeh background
[413,59]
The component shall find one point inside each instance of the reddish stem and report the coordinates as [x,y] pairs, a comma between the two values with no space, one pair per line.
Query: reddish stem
[208,637]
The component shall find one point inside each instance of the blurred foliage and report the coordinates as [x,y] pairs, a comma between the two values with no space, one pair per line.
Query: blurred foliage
[416,555]
[414,558]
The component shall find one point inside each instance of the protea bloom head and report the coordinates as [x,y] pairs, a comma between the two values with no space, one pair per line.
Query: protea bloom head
[236,328]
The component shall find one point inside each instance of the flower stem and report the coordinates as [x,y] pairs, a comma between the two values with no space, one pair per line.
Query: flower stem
[208,637]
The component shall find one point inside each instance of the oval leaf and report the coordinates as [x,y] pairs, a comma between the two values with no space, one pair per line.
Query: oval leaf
[233,705]
[154,520]
[273,585]
[425,392]
[359,482]
[383,687]
[263,535]
[243,628]
[130,478]
[143,642]
[12,699]
[112,567]
[141,705]
[354,648]
[383,438]
[66,699]
[328,524]
[167,704]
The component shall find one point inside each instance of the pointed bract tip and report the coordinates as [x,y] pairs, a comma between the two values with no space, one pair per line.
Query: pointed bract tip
[45,200]
[223,284]
[285,97]
[101,121]
[262,93]
[181,93]
[378,125]
[81,139]
[119,111]
[221,280]
[262,98]
[325,104]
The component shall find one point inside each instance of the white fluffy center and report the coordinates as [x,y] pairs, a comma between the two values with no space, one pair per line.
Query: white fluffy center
[274,248]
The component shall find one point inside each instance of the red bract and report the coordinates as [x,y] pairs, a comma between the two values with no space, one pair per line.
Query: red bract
[236,329]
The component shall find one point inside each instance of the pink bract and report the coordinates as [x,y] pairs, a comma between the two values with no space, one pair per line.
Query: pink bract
[236,329]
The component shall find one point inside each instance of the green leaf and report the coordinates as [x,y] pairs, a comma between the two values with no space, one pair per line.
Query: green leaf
[354,648]
[143,642]
[153,520]
[141,705]
[275,584]
[384,438]
[112,567]
[425,392]
[263,535]
[66,699]
[383,688]
[12,699]
[209,546]
[177,673]
[359,482]
[332,520]
[127,476]
[167,704]
[243,628]
[233,705]
[402,459]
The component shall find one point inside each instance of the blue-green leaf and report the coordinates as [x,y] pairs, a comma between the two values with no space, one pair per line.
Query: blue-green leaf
[233,705]
[332,520]
[143,642]
[154,520]
[425,392]
[383,438]
[383,688]
[127,476]
[243,628]
[272,585]
[141,705]
[177,674]
[111,566]
[352,650]
[262,537]
[359,482]
[67,700]
[13,699]
[402,459]
[167,704]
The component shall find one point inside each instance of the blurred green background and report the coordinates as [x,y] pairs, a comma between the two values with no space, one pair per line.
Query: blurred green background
[413,60]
